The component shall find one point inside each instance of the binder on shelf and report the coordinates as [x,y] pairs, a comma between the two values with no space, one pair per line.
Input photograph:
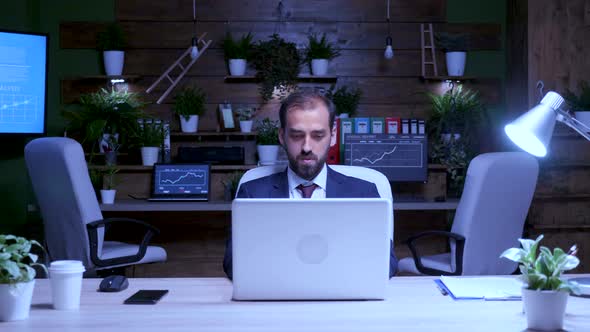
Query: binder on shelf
[346,127]
[421,127]
[405,126]
[362,126]
[392,125]
[377,125]
[414,126]
[334,152]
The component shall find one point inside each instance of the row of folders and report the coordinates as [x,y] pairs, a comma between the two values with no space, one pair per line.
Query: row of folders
[375,125]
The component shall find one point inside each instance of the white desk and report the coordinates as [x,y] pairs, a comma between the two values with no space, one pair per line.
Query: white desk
[413,304]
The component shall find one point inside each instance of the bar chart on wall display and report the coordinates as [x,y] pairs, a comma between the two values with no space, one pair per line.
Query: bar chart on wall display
[22,83]
[399,157]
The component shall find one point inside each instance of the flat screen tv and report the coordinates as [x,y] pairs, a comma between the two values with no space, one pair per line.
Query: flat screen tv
[23,83]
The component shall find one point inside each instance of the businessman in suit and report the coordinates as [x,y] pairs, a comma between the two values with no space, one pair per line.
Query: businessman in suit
[307,132]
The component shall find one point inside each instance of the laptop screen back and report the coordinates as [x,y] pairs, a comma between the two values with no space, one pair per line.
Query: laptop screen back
[181,180]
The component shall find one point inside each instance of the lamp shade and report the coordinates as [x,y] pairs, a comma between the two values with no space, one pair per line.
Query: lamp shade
[532,131]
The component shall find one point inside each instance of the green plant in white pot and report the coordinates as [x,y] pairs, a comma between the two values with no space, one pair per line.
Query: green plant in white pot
[580,104]
[318,54]
[17,276]
[546,292]
[149,136]
[267,140]
[245,115]
[112,43]
[237,53]
[455,47]
[189,104]
[107,194]
[345,101]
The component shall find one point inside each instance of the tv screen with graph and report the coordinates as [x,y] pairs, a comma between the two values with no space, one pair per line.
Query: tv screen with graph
[23,83]
[399,157]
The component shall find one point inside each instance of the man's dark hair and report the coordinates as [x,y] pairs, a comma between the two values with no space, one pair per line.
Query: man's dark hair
[305,100]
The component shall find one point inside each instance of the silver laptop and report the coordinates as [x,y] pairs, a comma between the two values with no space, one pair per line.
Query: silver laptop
[308,249]
[180,182]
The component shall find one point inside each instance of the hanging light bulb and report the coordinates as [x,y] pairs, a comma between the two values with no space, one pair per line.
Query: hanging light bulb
[194,48]
[388,41]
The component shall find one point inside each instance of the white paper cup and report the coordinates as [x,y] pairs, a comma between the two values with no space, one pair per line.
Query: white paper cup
[66,284]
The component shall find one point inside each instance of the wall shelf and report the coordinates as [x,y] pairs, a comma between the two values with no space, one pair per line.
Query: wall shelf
[448,78]
[301,78]
[212,134]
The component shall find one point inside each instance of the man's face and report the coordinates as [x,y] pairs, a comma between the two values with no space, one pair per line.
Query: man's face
[307,138]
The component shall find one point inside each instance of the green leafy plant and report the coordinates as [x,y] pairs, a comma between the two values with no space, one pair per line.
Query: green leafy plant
[109,177]
[345,101]
[114,111]
[451,42]
[232,182]
[16,259]
[238,49]
[581,102]
[149,134]
[112,38]
[267,132]
[190,101]
[543,271]
[277,66]
[245,113]
[320,48]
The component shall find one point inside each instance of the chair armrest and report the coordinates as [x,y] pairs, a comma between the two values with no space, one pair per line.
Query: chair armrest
[93,237]
[459,239]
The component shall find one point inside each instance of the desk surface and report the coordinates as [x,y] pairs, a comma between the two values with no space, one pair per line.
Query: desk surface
[143,205]
[203,304]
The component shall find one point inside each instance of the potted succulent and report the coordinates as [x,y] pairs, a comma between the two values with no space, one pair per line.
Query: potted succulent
[277,66]
[318,54]
[546,292]
[112,43]
[455,47]
[580,104]
[267,140]
[237,53]
[245,117]
[189,104]
[17,276]
[345,101]
[107,194]
[149,136]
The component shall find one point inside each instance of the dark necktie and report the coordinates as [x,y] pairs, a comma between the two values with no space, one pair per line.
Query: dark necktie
[307,191]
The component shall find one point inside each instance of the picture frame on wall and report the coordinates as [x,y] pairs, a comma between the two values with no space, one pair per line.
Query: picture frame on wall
[227,119]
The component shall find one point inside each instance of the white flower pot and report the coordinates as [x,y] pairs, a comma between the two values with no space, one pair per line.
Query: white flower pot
[190,125]
[237,67]
[456,63]
[343,116]
[319,67]
[268,154]
[149,155]
[544,310]
[246,126]
[15,300]
[107,196]
[113,62]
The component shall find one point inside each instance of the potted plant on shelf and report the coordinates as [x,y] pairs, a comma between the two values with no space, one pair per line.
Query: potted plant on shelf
[345,101]
[277,66]
[267,140]
[580,104]
[546,292]
[189,104]
[149,136]
[455,47]
[107,194]
[245,115]
[318,54]
[230,185]
[237,53]
[17,276]
[112,43]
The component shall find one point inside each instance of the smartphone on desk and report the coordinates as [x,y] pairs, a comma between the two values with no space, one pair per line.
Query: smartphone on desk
[146,296]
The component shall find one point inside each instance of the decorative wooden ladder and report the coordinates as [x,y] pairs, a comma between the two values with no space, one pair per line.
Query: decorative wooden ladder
[428,36]
[183,68]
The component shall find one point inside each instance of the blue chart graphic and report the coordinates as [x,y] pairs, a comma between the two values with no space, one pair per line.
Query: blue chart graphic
[19,109]
[399,157]
[185,177]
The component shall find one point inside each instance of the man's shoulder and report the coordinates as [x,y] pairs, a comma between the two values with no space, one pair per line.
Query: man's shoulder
[342,178]
[265,180]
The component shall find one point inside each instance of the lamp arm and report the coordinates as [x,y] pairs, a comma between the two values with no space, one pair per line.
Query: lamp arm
[575,124]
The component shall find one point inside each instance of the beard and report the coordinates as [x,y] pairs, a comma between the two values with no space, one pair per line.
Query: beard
[307,171]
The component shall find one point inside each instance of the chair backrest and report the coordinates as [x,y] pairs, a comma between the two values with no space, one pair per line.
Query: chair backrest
[67,200]
[498,191]
[367,174]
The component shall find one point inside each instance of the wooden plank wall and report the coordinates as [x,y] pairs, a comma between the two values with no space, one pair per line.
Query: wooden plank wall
[558,32]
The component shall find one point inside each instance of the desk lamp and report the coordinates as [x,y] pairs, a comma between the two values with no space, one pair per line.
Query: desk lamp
[532,131]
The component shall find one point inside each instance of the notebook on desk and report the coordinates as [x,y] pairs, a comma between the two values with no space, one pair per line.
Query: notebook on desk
[308,249]
[180,182]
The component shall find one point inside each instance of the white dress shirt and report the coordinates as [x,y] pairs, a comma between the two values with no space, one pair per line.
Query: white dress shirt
[320,180]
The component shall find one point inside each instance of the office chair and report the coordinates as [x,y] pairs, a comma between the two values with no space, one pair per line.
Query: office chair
[489,219]
[73,222]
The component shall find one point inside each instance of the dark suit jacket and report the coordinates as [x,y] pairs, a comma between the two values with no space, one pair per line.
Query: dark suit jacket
[277,186]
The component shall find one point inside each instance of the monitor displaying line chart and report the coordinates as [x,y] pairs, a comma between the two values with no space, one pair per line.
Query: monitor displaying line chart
[181,179]
[399,157]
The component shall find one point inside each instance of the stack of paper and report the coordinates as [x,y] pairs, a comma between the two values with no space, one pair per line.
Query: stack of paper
[488,288]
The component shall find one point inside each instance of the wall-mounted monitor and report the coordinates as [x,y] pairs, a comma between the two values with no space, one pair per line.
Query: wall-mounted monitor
[23,83]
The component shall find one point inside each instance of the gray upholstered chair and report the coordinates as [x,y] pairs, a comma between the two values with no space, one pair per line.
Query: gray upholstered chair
[73,222]
[490,218]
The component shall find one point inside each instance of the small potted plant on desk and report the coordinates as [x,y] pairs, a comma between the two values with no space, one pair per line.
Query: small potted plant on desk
[318,54]
[17,276]
[267,140]
[237,53]
[546,292]
[189,104]
[107,194]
